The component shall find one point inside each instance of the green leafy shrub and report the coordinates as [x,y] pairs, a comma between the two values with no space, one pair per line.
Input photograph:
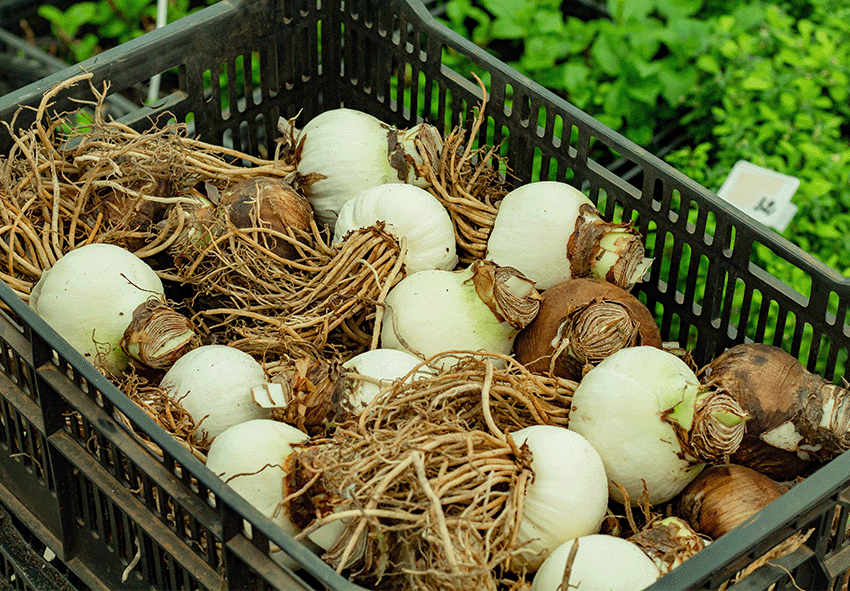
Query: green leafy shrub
[773,90]
[631,71]
[86,28]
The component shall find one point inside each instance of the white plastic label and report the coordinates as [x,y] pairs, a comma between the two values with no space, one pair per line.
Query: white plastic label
[763,194]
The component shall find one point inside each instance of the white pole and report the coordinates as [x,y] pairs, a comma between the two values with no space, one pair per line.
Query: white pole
[161,15]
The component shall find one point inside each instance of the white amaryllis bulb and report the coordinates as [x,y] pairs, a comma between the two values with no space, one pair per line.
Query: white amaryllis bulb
[550,232]
[568,496]
[251,458]
[626,407]
[410,212]
[601,563]
[385,366]
[214,383]
[431,312]
[355,151]
[89,297]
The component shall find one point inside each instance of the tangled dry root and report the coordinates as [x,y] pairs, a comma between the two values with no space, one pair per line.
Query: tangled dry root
[76,178]
[430,484]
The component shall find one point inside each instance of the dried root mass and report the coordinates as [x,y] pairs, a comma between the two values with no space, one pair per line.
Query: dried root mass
[429,489]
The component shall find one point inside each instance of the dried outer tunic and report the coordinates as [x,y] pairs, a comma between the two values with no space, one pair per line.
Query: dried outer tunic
[580,322]
[586,251]
[795,415]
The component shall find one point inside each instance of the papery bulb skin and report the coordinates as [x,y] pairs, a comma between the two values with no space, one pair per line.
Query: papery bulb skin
[406,211]
[601,563]
[157,335]
[630,407]
[723,497]
[568,496]
[214,385]
[89,297]
[268,202]
[252,458]
[669,541]
[580,323]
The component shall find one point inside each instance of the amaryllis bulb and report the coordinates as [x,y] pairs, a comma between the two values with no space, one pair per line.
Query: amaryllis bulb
[407,211]
[568,496]
[251,458]
[270,203]
[214,385]
[345,152]
[383,366]
[435,311]
[795,415]
[581,322]
[629,407]
[89,297]
[600,563]
[550,231]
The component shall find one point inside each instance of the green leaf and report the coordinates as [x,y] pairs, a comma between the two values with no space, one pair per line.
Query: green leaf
[679,8]
[756,81]
[575,74]
[677,85]
[505,28]
[502,8]
[114,29]
[729,49]
[50,13]
[548,21]
[635,10]
[605,54]
[708,63]
[645,91]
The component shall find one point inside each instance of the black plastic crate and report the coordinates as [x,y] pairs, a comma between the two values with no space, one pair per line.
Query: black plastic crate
[105,503]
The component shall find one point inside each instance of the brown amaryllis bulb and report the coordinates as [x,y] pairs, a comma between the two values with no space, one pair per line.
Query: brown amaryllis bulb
[795,415]
[507,292]
[136,212]
[580,323]
[722,497]
[269,203]
[669,542]
[158,335]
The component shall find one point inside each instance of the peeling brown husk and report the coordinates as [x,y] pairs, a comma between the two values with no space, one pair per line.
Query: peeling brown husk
[718,427]
[580,323]
[469,183]
[621,263]
[268,202]
[509,294]
[158,335]
[786,404]
[669,542]
[430,483]
[314,392]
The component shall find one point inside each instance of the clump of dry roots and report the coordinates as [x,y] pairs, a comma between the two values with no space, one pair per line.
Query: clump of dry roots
[75,178]
[469,184]
[428,480]
[320,303]
[165,411]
